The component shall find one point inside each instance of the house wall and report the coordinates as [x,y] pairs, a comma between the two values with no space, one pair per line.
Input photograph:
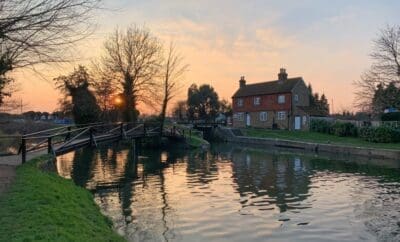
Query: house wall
[256,122]
[267,102]
[303,93]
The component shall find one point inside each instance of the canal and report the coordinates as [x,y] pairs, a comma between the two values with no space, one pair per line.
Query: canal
[236,193]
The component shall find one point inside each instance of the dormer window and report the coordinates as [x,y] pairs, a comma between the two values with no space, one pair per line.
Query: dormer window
[240,102]
[281,99]
[257,101]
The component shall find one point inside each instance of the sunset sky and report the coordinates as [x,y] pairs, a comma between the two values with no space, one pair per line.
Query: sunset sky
[325,42]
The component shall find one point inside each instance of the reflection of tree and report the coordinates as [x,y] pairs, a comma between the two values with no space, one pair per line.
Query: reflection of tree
[82,166]
[203,167]
[284,179]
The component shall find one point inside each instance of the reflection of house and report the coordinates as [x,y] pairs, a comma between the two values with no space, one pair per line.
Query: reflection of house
[275,104]
[285,180]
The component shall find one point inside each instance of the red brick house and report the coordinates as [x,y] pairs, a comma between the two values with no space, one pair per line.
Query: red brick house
[280,104]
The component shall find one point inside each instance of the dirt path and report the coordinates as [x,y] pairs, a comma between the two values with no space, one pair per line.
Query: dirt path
[8,165]
[7,175]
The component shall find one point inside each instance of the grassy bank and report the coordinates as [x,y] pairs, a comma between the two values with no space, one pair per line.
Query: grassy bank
[41,206]
[317,138]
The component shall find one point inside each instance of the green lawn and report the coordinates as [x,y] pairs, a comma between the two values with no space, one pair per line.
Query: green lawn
[41,206]
[316,138]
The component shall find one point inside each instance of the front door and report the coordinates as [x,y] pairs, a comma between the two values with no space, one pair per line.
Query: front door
[297,122]
[248,119]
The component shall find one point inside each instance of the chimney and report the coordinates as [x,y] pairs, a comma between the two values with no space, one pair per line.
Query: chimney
[282,75]
[242,82]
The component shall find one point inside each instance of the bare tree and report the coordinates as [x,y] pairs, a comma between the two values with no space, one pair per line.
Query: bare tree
[134,56]
[173,70]
[386,54]
[384,70]
[39,31]
[105,87]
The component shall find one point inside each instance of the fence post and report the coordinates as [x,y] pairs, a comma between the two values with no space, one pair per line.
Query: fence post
[23,149]
[91,136]
[122,129]
[144,129]
[49,146]
[68,136]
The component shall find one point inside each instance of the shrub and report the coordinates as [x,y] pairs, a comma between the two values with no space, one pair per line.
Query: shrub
[344,129]
[320,126]
[380,134]
[391,116]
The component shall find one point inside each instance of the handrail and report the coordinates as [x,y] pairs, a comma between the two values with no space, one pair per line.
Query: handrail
[74,138]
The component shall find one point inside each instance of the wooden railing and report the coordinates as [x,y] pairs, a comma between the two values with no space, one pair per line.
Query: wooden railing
[67,137]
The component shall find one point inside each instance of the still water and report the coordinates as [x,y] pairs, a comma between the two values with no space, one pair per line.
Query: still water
[232,193]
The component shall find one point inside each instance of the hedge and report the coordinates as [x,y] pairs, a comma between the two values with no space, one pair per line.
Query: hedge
[381,134]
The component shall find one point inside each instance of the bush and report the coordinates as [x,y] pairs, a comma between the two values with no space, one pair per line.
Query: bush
[320,126]
[344,129]
[391,116]
[380,134]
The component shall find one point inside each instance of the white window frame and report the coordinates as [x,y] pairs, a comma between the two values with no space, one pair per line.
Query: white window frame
[240,102]
[296,98]
[257,101]
[263,116]
[281,115]
[240,116]
[281,99]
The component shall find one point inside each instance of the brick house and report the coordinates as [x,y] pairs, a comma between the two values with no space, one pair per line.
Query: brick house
[280,104]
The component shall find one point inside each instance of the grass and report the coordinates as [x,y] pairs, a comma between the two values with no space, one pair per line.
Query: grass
[41,206]
[316,138]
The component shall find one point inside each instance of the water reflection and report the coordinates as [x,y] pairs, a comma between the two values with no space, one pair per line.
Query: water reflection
[233,193]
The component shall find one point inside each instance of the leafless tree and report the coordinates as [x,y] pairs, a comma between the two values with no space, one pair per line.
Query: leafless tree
[365,90]
[173,70]
[134,56]
[40,31]
[105,86]
[384,70]
[386,54]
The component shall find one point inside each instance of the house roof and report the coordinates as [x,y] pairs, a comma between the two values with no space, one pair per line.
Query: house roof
[265,88]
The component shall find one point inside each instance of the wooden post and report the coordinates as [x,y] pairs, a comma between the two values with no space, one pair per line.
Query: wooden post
[190,133]
[49,147]
[183,133]
[121,130]
[91,137]
[68,136]
[23,150]
[144,129]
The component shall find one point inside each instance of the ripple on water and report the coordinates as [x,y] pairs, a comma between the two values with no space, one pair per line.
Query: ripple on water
[234,194]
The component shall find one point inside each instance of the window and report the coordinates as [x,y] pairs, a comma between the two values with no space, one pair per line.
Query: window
[304,120]
[257,101]
[281,115]
[239,116]
[296,98]
[281,99]
[263,116]
[240,102]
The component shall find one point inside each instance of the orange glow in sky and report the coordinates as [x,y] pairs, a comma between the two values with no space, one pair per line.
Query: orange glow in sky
[326,43]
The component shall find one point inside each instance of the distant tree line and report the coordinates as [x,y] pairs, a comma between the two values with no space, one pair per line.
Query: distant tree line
[202,103]
[319,105]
